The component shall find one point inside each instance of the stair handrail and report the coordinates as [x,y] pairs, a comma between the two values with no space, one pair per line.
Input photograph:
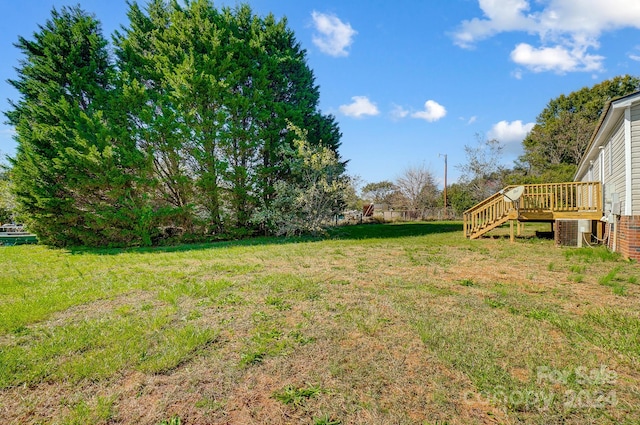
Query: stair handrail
[489,199]
[567,194]
[471,225]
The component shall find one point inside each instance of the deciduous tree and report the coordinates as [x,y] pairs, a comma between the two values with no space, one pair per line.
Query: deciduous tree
[7,199]
[307,202]
[483,172]
[563,129]
[417,185]
[379,192]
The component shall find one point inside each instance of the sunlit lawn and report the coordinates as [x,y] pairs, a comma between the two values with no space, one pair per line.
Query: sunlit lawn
[375,324]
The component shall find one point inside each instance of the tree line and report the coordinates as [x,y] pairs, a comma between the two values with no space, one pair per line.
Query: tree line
[552,152]
[197,123]
[557,142]
[193,123]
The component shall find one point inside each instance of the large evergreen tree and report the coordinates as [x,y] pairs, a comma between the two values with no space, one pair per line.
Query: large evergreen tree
[63,143]
[155,121]
[212,93]
[189,131]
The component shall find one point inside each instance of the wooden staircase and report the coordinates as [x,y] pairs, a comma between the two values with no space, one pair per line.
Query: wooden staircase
[545,202]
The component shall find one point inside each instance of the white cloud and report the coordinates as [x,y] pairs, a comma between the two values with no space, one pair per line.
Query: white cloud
[558,59]
[503,15]
[398,113]
[433,111]
[567,29]
[360,107]
[635,54]
[334,36]
[509,133]
[469,121]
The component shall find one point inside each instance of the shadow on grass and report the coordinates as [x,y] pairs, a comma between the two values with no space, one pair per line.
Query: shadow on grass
[395,230]
[355,232]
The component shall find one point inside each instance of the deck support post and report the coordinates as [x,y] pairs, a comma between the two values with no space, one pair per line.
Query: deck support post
[512,238]
[464,225]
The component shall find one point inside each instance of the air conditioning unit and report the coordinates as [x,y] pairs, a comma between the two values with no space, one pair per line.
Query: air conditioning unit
[572,232]
[566,232]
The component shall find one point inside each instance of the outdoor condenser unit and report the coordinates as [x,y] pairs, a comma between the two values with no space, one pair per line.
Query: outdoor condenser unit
[572,232]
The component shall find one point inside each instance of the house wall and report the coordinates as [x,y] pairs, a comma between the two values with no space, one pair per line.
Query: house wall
[596,169]
[614,179]
[627,229]
[613,164]
[635,159]
[625,234]
[627,238]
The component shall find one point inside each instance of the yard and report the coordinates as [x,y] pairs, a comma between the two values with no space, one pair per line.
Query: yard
[375,324]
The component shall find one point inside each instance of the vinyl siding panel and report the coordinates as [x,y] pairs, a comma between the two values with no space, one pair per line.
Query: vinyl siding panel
[617,177]
[596,170]
[584,177]
[635,159]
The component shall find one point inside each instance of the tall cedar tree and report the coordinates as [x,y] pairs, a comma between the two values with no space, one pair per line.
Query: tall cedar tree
[211,94]
[155,122]
[63,143]
[184,134]
[77,178]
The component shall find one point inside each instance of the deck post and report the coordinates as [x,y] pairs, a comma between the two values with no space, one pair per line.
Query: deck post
[512,238]
[464,218]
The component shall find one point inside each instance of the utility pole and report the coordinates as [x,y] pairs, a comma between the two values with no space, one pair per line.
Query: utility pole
[445,184]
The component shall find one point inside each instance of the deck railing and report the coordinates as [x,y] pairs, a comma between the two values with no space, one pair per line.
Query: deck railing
[486,213]
[543,198]
[562,197]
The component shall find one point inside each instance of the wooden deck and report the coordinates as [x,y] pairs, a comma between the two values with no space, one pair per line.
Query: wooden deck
[539,203]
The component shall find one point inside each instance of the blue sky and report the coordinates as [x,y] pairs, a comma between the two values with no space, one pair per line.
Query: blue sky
[411,81]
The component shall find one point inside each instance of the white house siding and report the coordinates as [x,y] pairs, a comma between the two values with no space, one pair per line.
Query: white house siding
[609,160]
[620,139]
[614,176]
[635,159]
[616,181]
[596,169]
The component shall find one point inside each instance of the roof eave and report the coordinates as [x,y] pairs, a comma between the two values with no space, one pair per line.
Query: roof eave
[612,111]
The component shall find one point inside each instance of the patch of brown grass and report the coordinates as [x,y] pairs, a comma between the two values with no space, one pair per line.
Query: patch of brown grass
[384,328]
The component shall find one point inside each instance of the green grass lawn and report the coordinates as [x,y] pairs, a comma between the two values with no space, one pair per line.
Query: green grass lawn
[374,324]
